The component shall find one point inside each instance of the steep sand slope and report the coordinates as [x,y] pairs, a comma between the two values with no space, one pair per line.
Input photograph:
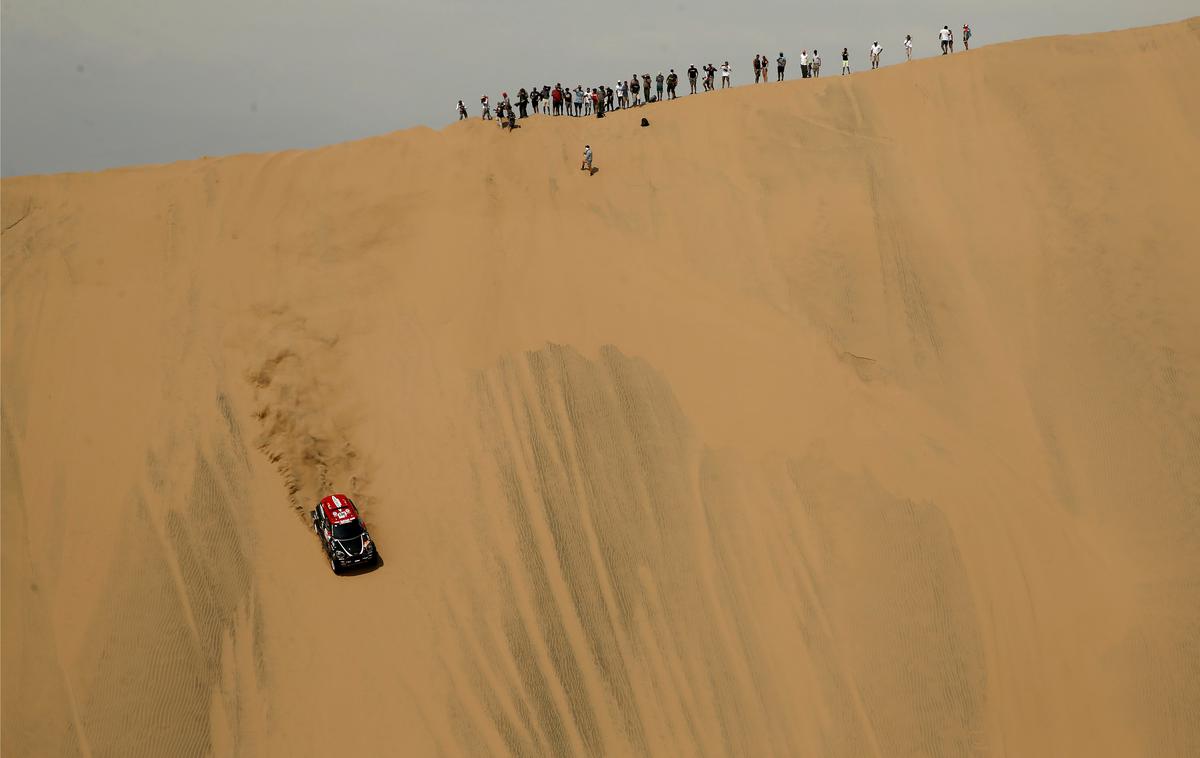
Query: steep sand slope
[845,417]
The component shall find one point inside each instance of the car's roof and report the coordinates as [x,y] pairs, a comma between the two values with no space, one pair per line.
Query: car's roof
[338,509]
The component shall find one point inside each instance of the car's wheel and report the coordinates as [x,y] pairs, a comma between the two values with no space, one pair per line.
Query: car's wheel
[333,565]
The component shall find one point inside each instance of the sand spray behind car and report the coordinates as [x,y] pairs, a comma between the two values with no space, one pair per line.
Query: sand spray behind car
[305,426]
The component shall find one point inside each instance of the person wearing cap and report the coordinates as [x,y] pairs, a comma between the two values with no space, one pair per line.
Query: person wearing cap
[876,49]
[587,159]
[966,37]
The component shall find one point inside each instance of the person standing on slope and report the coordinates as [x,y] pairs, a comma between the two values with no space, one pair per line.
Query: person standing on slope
[672,83]
[966,37]
[780,65]
[487,108]
[587,159]
[951,39]
[908,47]
[725,75]
[692,73]
[876,49]
[757,67]
[659,82]
[815,65]
[944,38]
[462,110]
[804,71]
[845,61]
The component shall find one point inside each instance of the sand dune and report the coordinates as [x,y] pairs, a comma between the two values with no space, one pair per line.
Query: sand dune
[847,417]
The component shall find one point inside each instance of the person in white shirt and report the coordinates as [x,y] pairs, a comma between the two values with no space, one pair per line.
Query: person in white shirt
[724,74]
[462,110]
[815,64]
[804,72]
[944,37]
[908,47]
[876,49]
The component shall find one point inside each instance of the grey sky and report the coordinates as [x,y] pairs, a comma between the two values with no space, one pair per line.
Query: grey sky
[90,84]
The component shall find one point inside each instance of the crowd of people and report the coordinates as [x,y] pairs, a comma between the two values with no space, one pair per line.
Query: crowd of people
[641,89]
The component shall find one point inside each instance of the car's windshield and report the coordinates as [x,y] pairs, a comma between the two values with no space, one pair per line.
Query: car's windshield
[347,531]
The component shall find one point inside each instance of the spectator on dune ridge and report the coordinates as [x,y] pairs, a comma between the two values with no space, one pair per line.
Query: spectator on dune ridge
[725,71]
[462,110]
[659,82]
[635,89]
[672,83]
[876,49]
[646,87]
[944,38]
[805,72]
[710,71]
[908,47]
[966,37]
[815,64]
[780,65]
[523,102]
[692,73]
[757,67]
[487,107]
[845,61]
[766,68]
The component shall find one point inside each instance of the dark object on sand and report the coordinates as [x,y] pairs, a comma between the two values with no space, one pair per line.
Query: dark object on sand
[645,122]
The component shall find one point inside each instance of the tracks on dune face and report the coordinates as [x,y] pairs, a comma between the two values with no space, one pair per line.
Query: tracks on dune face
[304,428]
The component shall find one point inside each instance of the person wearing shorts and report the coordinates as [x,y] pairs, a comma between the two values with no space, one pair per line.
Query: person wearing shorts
[587,159]
[845,61]
[724,74]
[908,47]
[966,37]
[815,64]
[944,38]
[876,49]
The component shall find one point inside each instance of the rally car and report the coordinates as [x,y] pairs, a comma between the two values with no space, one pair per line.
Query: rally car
[346,541]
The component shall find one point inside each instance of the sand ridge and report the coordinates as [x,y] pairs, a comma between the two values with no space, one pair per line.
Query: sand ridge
[857,416]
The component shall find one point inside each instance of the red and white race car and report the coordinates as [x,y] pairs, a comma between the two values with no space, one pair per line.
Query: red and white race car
[345,539]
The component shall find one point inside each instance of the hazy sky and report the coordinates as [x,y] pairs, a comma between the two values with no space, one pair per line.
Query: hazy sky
[89,84]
